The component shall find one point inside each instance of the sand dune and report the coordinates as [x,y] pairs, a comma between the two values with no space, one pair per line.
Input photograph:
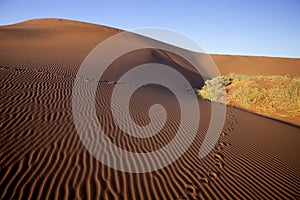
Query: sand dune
[257,65]
[43,157]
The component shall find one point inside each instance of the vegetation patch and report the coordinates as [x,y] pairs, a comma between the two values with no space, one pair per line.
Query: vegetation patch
[274,96]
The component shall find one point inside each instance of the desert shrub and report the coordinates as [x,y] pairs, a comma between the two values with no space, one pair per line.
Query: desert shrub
[214,89]
[233,77]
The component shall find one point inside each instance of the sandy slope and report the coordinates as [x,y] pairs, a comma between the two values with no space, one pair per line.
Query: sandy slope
[42,156]
[257,65]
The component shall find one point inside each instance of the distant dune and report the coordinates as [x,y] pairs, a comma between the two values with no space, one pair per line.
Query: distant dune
[257,65]
[43,157]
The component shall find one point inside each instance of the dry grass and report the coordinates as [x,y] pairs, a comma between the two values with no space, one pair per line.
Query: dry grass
[274,96]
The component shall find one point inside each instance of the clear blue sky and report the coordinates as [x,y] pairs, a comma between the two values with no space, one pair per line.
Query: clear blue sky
[266,27]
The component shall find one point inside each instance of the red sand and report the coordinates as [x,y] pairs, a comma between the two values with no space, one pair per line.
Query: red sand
[42,156]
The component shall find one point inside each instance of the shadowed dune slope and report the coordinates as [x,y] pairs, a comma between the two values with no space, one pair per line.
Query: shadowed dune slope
[41,155]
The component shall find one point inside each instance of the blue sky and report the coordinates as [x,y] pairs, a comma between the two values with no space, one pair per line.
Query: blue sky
[266,28]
